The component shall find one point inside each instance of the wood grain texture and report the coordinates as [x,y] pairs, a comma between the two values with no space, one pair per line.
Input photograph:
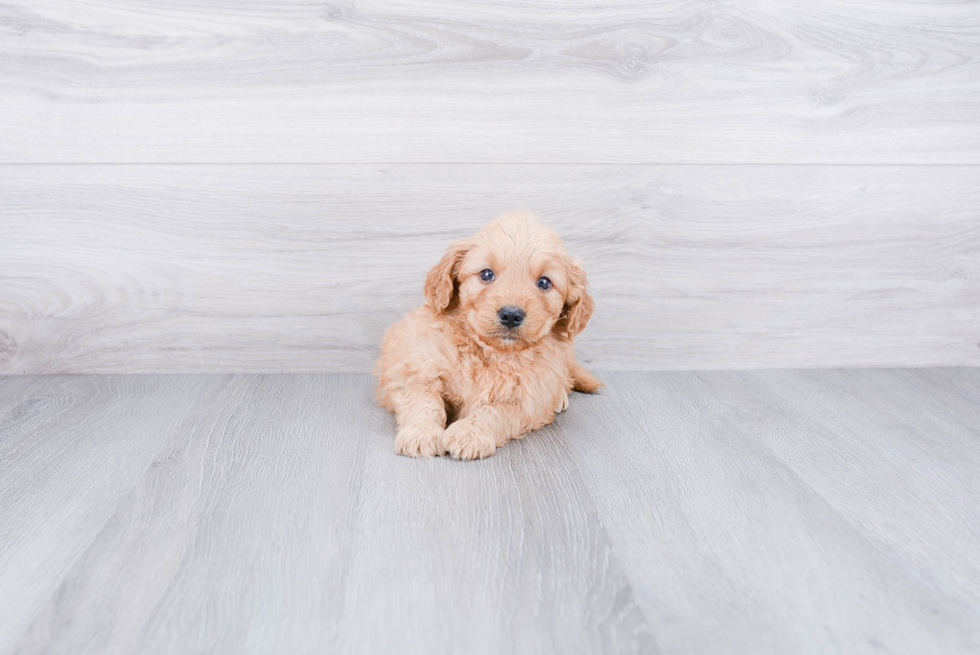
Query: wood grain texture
[683,512]
[279,519]
[71,450]
[676,81]
[234,540]
[781,511]
[963,383]
[301,268]
[504,555]
[931,441]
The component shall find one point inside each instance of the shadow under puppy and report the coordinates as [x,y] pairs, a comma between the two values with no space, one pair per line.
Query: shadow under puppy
[491,351]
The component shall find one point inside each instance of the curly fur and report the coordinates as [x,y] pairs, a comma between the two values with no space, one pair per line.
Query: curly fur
[450,361]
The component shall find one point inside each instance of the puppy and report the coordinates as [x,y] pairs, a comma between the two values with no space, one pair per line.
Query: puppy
[491,352]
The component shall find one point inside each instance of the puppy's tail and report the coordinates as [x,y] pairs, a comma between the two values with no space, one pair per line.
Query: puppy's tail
[582,380]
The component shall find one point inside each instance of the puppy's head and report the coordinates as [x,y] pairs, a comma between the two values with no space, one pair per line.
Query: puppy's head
[511,284]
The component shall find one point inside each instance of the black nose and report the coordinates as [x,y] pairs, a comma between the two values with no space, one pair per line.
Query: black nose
[510,316]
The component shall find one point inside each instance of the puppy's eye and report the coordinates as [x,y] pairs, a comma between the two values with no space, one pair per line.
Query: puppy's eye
[544,283]
[486,275]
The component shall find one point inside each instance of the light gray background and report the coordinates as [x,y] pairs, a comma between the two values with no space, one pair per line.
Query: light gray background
[261,186]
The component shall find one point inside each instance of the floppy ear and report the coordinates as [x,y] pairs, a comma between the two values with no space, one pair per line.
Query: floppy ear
[578,303]
[440,283]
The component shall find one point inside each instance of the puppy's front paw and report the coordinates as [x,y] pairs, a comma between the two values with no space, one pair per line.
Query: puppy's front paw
[463,440]
[562,403]
[419,441]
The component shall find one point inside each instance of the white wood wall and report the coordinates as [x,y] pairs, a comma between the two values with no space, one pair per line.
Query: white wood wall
[261,186]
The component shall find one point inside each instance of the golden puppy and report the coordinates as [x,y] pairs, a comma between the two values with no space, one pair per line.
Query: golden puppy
[491,351]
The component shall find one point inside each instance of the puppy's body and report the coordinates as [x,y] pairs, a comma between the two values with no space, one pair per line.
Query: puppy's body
[462,359]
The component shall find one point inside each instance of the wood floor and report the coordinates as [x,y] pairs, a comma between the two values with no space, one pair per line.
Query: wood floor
[833,511]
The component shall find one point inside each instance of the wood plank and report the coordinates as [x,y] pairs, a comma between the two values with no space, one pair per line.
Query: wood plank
[751,521]
[235,540]
[301,268]
[17,393]
[675,81]
[504,555]
[962,382]
[70,452]
[280,519]
[896,459]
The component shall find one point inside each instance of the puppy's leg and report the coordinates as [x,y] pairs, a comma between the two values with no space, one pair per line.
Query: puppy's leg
[562,404]
[486,428]
[421,416]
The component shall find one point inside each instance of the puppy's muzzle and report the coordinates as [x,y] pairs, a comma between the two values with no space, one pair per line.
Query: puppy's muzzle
[510,316]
